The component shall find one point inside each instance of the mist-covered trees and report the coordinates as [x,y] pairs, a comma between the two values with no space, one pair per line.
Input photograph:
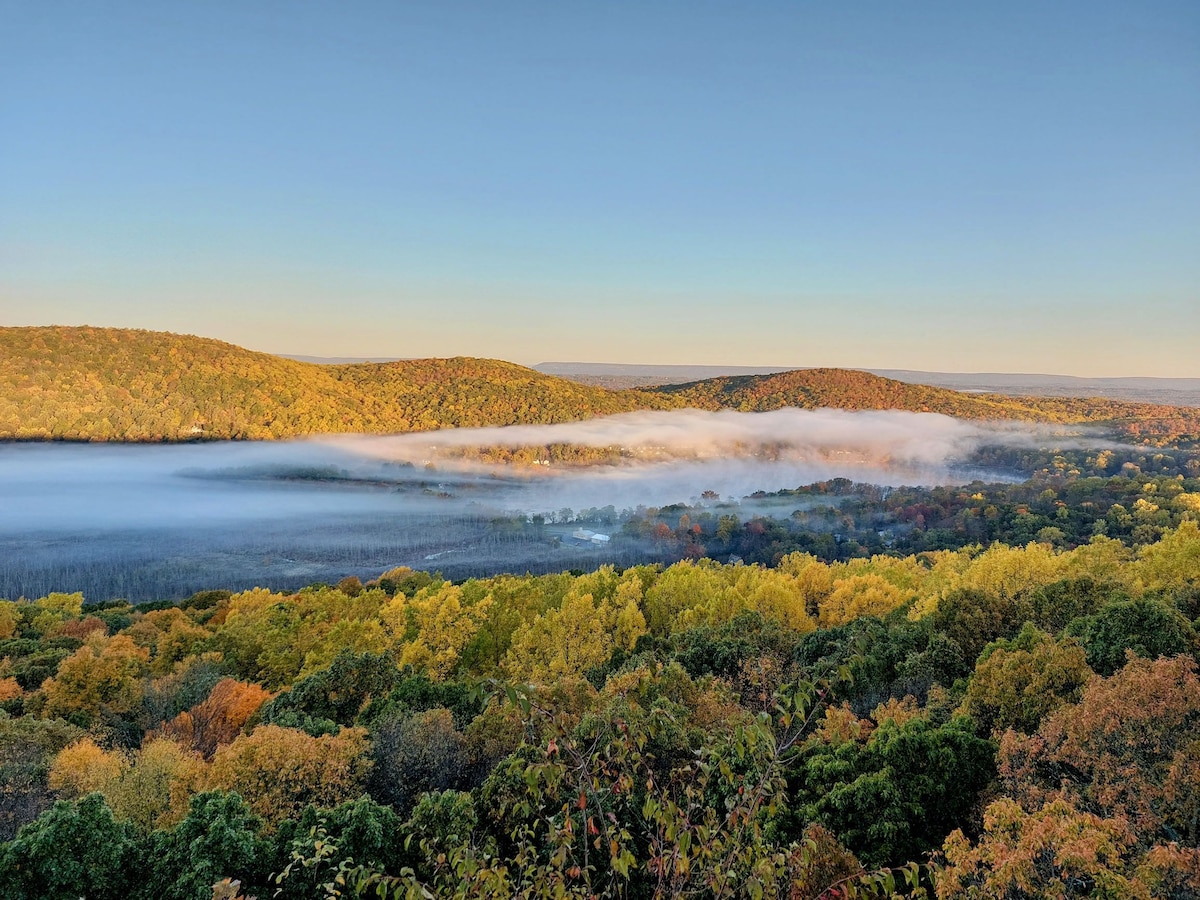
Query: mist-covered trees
[1129,499]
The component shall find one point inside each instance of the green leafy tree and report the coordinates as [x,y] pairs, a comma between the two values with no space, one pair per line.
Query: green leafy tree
[72,850]
[323,845]
[896,796]
[334,696]
[219,838]
[1018,683]
[27,747]
[414,754]
[1146,627]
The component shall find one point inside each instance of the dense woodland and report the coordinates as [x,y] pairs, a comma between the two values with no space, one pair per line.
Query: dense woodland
[1018,722]
[113,384]
[1070,497]
[983,691]
[104,384]
[850,389]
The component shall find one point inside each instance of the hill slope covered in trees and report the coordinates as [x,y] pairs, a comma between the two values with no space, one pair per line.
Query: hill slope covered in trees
[852,389]
[116,384]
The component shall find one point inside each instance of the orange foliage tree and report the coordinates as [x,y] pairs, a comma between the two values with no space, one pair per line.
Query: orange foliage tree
[1129,749]
[219,719]
[1055,853]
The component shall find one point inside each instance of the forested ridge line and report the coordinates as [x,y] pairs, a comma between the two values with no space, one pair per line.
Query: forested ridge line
[1019,722]
[854,389]
[107,384]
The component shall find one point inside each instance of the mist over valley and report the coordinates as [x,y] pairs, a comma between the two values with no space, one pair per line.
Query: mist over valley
[476,466]
[157,521]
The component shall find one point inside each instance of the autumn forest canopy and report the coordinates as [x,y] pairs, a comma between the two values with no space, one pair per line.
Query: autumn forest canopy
[1015,721]
[982,688]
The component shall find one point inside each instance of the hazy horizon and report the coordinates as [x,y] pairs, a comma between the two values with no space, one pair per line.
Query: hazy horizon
[559,367]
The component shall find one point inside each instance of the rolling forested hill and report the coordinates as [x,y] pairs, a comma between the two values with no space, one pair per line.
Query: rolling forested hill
[852,389]
[116,384]
[82,383]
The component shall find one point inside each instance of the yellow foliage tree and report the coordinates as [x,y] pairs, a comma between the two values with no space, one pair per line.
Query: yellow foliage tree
[944,573]
[84,768]
[840,725]
[772,593]
[1102,559]
[169,636]
[151,788]
[1188,502]
[860,595]
[65,606]
[813,579]
[898,711]
[1008,571]
[631,623]
[1019,682]
[355,635]
[105,674]
[561,643]
[1174,561]
[154,790]
[10,618]
[685,595]
[270,636]
[444,626]
[278,771]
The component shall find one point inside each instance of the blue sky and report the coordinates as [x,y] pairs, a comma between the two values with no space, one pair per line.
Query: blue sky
[934,185]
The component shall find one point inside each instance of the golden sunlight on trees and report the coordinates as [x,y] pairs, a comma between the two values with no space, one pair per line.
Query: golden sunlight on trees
[279,771]
[560,643]
[443,623]
[219,718]
[859,595]
[978,722]
[102,678]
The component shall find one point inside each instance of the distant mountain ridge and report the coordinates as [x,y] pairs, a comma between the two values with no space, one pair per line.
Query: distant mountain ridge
[84,383]
[1169,391]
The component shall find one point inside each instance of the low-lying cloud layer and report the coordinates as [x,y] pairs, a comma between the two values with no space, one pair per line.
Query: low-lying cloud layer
[96,515]
[873,438]
[673,456]
[666,457]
